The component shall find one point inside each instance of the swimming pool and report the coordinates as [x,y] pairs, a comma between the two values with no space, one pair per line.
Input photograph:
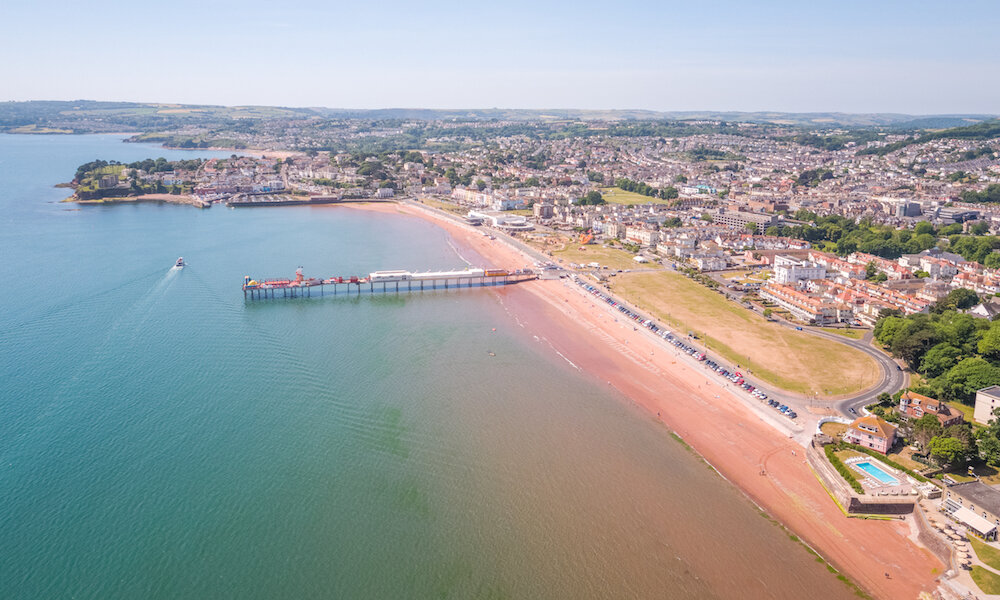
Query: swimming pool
[877,473]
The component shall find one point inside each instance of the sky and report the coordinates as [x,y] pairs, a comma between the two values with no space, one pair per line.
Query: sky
[910,57]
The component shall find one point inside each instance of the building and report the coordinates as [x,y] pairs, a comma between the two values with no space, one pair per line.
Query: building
[543,210]
[803,306]
[987,399]
[710,262]
[614,230]
[916,405]
[987,309]
[739,219]
[107,182]
[975,505]
[642,236]
[789,271]
[385,193]
[871,432]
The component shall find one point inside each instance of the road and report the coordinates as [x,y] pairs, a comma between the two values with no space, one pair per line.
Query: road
[892,379]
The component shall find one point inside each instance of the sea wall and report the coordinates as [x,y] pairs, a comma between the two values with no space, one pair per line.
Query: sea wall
[848,499]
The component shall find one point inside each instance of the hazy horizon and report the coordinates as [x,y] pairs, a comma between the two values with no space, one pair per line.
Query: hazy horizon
[852,57]
[509,108]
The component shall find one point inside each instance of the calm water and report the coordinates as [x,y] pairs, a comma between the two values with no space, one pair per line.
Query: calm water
[161,438]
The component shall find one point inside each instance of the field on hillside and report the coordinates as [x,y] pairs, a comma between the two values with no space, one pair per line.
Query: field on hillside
[789,359]
[616,195]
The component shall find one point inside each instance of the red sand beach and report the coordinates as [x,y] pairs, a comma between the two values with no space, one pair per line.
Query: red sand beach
[723,430]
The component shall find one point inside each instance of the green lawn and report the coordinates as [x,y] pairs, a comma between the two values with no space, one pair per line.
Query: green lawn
[791,360]
[616,195]
[987,554]
[854,334]
[613,258]
[988,581]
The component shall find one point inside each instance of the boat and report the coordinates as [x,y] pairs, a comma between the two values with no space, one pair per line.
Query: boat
[180,263]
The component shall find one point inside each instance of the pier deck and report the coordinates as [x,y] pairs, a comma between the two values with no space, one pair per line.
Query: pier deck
[381,282]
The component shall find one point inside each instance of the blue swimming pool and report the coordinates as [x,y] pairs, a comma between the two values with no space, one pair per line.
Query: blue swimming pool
[877,473]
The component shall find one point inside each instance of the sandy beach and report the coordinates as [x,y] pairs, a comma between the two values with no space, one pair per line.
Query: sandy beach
[767,466]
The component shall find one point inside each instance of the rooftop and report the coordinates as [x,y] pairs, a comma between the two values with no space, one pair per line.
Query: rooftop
[980,494]
[993,391]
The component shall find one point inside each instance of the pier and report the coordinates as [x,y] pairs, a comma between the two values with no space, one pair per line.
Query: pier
[381,282]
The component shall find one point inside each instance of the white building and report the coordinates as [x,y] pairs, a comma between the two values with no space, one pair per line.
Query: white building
[642,236]
[986,400]
[789,271]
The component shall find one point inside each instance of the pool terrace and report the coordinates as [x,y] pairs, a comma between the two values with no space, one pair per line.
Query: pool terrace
[879,479]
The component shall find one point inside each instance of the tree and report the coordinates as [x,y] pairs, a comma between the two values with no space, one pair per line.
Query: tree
[939,360]
[947,450]
[923,227]
[980,228]
[531,182]
[957,299]
[751,227]
[913,339]
[969,375]
[669,193]
[680,179]
[989,344]
[767,313]
[592,197]
[773,231]
[480,185]
[988,440]
[870,270]
[925,429]
[887,327]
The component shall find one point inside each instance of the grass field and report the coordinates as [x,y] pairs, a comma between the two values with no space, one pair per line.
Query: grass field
[446,206]
[834,430]
[854,334]
[791,360]
[988,581]
[616,195]
[613,258]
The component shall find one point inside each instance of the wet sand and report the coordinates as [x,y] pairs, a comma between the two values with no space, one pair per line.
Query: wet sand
[766,465]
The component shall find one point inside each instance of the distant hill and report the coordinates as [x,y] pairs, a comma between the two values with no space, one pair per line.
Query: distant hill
[780,118]
[90,115]
[980,131]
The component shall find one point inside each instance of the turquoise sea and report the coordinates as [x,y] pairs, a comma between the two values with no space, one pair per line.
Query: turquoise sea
[160,437]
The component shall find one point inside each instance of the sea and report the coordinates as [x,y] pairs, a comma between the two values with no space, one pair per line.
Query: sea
[163,437]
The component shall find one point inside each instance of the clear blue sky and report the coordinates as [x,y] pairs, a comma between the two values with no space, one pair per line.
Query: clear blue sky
[871,56]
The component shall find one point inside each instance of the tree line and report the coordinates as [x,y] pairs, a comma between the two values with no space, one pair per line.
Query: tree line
[639,187]
[954,352]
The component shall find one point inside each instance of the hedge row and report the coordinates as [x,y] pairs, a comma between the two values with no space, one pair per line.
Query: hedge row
[886,460]
[846,473]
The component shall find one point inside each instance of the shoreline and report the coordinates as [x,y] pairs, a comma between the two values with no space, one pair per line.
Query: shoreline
[163,198]
[768,467]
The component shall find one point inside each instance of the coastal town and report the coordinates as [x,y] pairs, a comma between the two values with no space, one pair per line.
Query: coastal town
[498,301]
[884,246]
